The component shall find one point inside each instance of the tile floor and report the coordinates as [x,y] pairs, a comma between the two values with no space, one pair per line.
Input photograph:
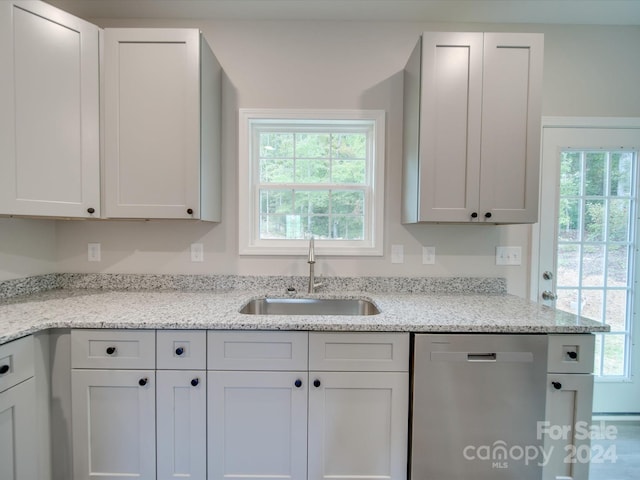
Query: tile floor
[626,448]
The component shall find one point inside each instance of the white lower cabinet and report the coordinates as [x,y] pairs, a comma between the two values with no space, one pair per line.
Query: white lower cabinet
[569,399]
[181,402]
[358,425]
[257,424]
[339,412]
[18,432]
[114,424]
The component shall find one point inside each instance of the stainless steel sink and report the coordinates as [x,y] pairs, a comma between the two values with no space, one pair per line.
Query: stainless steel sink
[309,306]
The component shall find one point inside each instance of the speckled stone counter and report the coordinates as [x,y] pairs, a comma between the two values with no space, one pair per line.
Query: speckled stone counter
[468,305]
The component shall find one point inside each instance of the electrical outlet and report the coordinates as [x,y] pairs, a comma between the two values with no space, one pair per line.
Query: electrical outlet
[197,252]
[508,256]
[428,255]
[93,252]
[397,253]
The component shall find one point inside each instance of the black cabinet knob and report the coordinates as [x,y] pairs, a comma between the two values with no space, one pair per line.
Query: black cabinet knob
[298,383]
[143,381]
[190,211]
[487,215]
[195,382]
[474,215]
[91,210]
[556,385]
[572,355]
[179,351]
[111,350]
[316,383]
[4,369]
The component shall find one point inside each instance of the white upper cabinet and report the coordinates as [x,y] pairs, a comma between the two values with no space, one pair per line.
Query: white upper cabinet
[162,125]
[49,112]
[472,112]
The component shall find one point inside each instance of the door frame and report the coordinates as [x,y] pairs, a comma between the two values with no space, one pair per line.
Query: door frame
[618,123]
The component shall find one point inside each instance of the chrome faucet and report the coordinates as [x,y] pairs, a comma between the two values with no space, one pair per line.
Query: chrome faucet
[312,261]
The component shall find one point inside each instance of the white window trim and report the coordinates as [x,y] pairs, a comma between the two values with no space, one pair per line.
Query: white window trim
[248,242]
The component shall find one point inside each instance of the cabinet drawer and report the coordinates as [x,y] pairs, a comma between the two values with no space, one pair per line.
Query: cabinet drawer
[181,349]
[571,353]
[120,349]
[257,350]
[357,352]
[16,361]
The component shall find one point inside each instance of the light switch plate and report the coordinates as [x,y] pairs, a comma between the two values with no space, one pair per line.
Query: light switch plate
[197,252]
[508,255]
[93,252]
[397,253]
[428,255]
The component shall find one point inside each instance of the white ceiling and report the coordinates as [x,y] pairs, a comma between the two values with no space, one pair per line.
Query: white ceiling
[590,12]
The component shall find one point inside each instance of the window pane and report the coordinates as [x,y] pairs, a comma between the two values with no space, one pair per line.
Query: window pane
[347,202]
[312,145]
[276,145]
[593,265]
[594,220]
[570,174]
[595,173]
[568,270]
[276,201]
[613,355]
[349,171]
[311,202]
[592,304]
[619,211]
[312,171]
[617,265]
[347,228]
[597,354]
[568,300]
[349,145]
[616,310]
[276,170]
[316,225]
[621,172]
[569,219]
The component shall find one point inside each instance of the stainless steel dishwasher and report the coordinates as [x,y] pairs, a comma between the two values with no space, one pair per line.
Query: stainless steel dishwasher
[476,401]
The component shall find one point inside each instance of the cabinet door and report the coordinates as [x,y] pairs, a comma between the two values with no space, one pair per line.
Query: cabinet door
[114,424]
[358,425]
[511,113]
[49,112]
[18,432]
[450,111]
[152,123]
[181,424]
[257,425]
[569,401]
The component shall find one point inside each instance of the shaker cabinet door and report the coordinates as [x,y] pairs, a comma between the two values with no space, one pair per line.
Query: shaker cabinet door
[114,424]
[49,112]
[18,432]
[358,425]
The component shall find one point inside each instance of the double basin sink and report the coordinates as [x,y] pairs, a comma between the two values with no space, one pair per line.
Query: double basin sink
[309,306]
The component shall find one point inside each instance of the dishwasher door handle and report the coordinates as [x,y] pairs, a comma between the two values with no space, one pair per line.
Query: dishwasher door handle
[482,357]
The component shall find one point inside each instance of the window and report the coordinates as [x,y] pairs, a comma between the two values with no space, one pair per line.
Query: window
[596,233]
[311,173]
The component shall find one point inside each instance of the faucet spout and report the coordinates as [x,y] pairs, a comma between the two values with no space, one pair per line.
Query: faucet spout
[311,261]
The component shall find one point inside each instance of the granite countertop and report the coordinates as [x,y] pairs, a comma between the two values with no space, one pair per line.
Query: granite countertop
[463,310]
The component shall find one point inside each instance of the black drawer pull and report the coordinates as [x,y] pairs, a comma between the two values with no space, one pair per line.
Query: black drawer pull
[556,385]
[4,369]
[572,355]
[143,381]
[111,350]
[179,351]
[195,382]
[316,383]
[298,383]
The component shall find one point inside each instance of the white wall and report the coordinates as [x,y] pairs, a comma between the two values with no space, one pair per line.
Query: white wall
[27,247]
[588,71]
